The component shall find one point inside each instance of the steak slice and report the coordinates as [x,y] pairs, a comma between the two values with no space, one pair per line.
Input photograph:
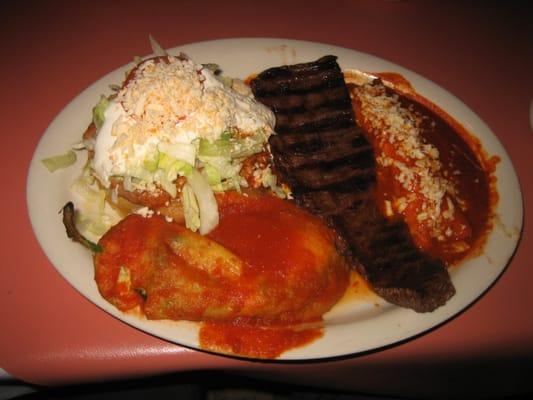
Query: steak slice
[325,158]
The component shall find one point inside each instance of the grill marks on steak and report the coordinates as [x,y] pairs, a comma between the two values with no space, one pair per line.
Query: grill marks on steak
[323,155]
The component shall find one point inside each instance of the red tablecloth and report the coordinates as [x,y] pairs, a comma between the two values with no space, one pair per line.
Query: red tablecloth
[479,51]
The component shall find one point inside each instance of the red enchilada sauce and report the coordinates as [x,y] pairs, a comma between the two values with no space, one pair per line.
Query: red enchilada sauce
[430,171]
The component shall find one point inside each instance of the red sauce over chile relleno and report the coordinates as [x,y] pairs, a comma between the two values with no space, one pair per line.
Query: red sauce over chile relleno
[266,267]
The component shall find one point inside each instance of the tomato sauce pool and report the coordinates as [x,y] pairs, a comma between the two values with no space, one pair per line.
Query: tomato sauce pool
[251,341]
[267,234]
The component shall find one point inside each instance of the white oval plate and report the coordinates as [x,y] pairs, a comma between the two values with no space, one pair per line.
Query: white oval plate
[350,328]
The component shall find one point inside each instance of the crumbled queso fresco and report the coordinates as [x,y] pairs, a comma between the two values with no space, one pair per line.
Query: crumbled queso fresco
[417,162]
[170,104]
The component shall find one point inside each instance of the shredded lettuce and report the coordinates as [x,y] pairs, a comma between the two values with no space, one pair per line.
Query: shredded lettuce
[219,148]
[223,166]
[179,151]
[222,162]
[99,110]
[249,145]
[95,227]
[213,176]
[96,216]
[172,165]
[222,159]
[165,168]
[60,161]
[94,197]
[151,164]
[232,147]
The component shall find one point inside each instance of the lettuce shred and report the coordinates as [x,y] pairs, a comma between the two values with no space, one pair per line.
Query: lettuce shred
[99,110]
[60,161]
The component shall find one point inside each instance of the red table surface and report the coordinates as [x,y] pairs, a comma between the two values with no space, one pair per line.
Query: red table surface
[479,51]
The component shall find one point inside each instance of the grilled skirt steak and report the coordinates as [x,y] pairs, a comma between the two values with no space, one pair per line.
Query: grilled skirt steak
[325,158]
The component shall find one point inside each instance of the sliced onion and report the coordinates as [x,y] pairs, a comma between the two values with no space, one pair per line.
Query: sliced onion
[207,202]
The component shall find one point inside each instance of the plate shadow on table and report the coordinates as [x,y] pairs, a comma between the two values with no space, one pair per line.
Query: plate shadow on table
[491,377]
